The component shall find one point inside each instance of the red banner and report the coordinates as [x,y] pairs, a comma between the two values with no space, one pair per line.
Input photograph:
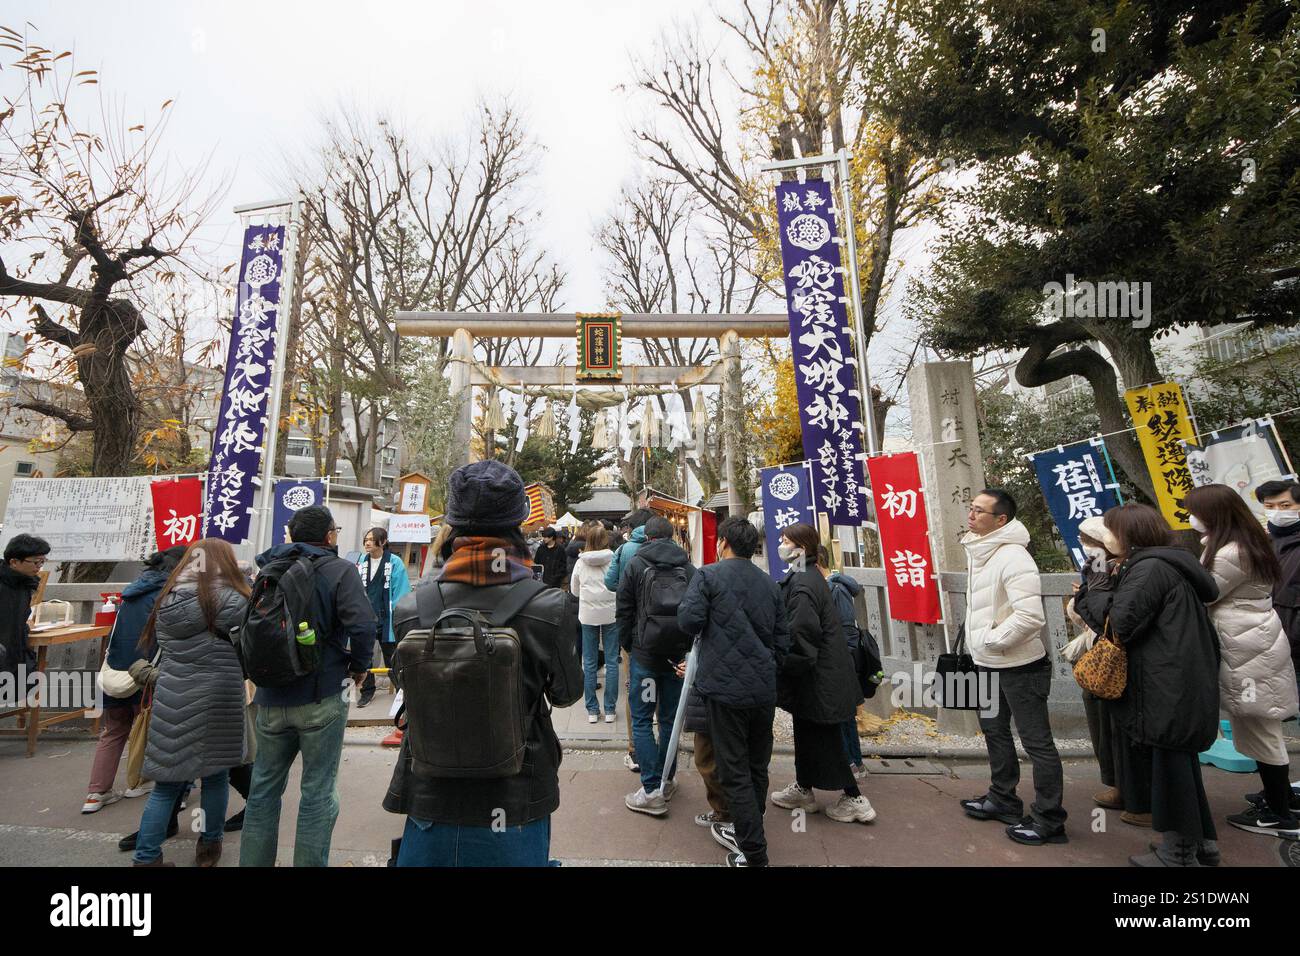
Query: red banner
[177,511]
[904,538]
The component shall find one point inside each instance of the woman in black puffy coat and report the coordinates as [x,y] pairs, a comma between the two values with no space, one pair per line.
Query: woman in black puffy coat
[1170,705]
[817,685]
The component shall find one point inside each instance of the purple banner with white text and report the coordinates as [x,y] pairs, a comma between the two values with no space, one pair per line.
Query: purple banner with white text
[829,409]
[236,462]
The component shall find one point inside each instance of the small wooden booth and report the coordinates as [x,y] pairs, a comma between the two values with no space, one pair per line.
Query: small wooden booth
[695,528]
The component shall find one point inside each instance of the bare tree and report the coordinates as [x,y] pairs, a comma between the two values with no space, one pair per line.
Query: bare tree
[400,227]
[91,214]
[802,96]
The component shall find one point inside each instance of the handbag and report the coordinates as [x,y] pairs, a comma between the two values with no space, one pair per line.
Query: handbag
[1103,669]
[955,679]
[113,682]
[137,741]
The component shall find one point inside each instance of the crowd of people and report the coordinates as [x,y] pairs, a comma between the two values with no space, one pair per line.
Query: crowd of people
[476,776]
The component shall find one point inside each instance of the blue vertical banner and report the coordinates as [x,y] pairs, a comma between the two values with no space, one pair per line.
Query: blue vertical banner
[291,496]
[830,412]
[236,464]
[1078,483]
[787,499]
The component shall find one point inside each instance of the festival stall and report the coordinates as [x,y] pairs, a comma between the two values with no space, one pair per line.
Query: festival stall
[695,528]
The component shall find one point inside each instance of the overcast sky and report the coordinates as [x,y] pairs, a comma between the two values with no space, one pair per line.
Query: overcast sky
[249,81]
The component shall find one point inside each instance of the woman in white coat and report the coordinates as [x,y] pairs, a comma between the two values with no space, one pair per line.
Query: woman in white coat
[596,615]
[1257,685]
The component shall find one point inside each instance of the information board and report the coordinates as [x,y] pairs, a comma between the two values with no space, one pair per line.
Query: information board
[83,519]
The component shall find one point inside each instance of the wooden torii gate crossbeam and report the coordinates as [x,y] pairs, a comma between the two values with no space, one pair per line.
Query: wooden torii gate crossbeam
[463,327]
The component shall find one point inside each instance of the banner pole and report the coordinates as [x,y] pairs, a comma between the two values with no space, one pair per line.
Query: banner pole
[944,610]
[261,529]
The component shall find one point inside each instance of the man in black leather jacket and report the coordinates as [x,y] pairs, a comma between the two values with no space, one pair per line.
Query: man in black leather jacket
[501,821]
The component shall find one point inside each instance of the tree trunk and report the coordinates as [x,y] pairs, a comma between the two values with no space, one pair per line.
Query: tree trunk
[1038,367]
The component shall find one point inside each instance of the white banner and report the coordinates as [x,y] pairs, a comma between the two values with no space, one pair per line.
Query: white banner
[83,519]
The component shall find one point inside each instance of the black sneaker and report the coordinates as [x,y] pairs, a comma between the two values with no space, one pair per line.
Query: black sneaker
[1264,820]
[1207,852]
[982,808]
[1032,833]
[366,697]
[1259,800]
[736,860]
[725,834]
[127,843]
[235,823]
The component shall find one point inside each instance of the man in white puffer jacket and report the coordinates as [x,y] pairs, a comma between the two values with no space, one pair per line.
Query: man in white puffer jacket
[1004,637]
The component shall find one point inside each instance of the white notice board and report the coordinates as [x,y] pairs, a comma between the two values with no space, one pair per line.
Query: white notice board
[83,519]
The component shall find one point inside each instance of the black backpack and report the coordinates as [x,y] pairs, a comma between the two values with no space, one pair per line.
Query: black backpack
[284,595]
[461,674]
[662,590]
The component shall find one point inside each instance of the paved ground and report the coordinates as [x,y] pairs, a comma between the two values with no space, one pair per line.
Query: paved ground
[919,823]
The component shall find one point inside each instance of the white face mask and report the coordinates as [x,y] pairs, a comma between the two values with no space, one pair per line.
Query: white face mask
[1282,519]
[787,552]
[1096,558]
[1197,524]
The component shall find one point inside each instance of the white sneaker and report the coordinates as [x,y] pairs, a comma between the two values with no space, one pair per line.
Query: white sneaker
[97,801]
[592,718]
[651,803]
[134,792]
[630,762]
[851,810]
[668,788]
[795,797]
[609,718]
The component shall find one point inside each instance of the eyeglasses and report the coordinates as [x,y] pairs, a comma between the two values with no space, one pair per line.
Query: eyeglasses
[979,511]
[337,528]
[37,562]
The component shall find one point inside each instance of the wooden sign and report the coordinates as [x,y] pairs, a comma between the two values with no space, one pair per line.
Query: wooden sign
[599,345]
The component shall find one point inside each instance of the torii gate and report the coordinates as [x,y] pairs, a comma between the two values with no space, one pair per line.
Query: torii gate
[728,329]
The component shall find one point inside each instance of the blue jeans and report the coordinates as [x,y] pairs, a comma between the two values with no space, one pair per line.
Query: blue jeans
[315,731]
[158,814]
[852,743]
[425,843]
[593,635]
[653,692]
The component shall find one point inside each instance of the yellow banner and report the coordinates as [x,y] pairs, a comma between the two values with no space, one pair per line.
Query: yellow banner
[1163,419]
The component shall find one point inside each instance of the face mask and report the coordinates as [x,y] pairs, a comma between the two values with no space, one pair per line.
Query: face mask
[1197,524]
[787,552]
[1282,519]
[1096,558]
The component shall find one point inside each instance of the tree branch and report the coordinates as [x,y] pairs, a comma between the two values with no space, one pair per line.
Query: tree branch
[48,329]
[75,421]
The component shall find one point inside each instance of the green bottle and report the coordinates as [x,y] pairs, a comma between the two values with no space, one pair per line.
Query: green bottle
[308,652]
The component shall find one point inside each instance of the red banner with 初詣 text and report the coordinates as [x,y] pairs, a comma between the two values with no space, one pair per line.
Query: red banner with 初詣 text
[910,577]
[177,511]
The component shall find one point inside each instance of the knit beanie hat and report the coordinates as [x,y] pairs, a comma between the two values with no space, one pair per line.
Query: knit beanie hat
[486,494]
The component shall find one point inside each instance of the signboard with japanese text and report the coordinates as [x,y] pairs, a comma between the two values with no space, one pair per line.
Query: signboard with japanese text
[292,495]
[787,499]
[1163,422]
[410,528]
[1242,457]
[599,345]
[910,576]
[83,519]
[177,511]
[830,413]
[413,495]
[1078,483]
[234,470]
